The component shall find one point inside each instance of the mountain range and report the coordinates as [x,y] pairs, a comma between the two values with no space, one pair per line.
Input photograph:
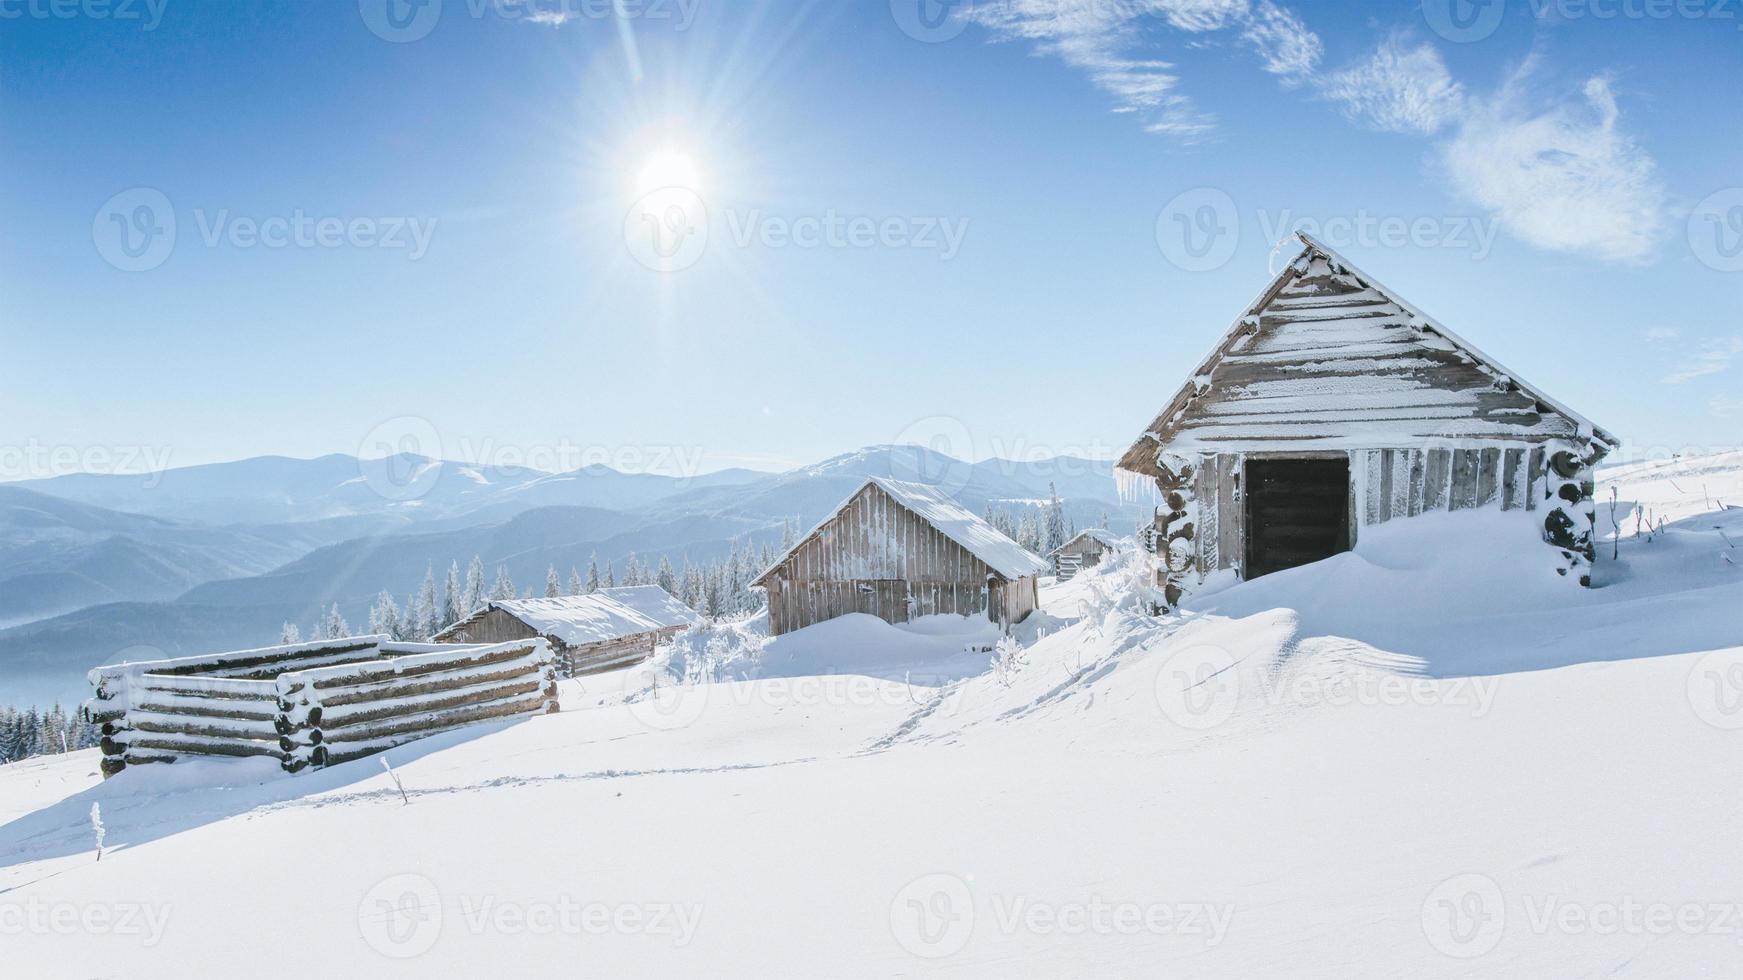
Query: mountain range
[99,568]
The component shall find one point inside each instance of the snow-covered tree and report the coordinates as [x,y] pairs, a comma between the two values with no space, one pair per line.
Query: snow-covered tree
[452,598]
[476,595]
[575,584]
[666,578]
[553,583]
[334,626]
[610,576]
[632,571]
[384,616]
[429,607]
[593,573]
[504,587]
[289,633]
[1055,530]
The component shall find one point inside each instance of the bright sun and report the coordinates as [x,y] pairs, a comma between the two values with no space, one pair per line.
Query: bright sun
[668,168]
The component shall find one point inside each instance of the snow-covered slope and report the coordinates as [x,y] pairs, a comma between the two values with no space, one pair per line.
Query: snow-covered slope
[1428,758]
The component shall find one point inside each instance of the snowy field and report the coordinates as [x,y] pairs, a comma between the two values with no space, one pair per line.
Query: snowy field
[1427,758]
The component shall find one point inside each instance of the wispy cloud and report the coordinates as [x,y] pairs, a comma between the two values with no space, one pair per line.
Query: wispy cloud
[1106,40]
[1658,335]
[1714,357]
[1399,89]
[1559,173]
[1564,178]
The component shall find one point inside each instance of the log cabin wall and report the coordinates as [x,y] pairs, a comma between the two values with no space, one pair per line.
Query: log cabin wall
[1385,484]
[878,557]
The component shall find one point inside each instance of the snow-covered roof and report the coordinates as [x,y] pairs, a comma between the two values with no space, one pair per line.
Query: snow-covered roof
[608,614]
[1140,458]
[1101,534]
[953,520]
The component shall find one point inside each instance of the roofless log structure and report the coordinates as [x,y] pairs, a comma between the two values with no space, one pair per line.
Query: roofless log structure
[312,704]
[1333,405]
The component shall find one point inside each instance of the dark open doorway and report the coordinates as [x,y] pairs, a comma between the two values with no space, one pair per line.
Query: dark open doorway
[1297,512]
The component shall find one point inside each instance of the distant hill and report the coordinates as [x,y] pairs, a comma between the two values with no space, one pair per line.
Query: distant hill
[297,565]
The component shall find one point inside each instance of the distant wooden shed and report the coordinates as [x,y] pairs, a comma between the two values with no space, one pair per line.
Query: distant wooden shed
[899,550]
[1333,405]
[1083,551]
[599,631]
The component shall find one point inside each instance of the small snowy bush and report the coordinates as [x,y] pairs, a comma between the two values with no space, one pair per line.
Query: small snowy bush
[1009,657]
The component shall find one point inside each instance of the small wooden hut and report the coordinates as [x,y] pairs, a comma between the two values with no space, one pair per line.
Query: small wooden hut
[1333,405]
[900,550]
[590,633]
[1083,551]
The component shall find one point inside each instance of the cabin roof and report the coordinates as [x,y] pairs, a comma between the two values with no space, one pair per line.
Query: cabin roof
[953,520]
[1141,456]
[597,617]
[1101,534]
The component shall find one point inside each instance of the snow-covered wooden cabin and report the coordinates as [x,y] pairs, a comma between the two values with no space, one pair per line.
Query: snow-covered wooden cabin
[1083,551]
[899,550]
[1333,405]
[590,633]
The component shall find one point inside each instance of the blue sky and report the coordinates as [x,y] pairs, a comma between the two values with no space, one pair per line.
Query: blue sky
[968,233]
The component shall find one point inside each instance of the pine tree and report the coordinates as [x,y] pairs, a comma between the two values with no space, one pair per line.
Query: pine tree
[451,597]
[1055,530]
[289,633]
[335,627]
[428,605]
[575,585]
[476,596]
[411,621]
[504,587]
[666,578]
[610,576]
[632,571]
[553,583]
[593,573]
[384,616]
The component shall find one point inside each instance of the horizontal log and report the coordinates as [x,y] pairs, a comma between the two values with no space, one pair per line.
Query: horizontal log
[383,670]
[264,660]
[195,745]
[429,682]
[334,721]
[428,722]
[184,724]
[238,689]
[173,704]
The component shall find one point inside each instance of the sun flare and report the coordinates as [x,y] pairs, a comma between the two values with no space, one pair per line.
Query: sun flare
[668,168]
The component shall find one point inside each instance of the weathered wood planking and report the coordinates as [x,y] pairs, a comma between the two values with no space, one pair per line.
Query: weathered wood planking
[876,556]
[1408,482]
